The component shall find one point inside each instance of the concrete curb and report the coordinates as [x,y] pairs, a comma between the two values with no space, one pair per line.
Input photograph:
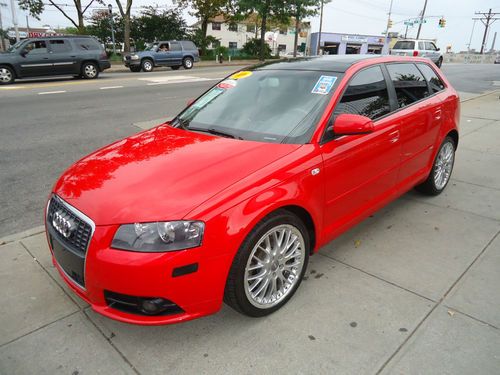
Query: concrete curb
[120,68]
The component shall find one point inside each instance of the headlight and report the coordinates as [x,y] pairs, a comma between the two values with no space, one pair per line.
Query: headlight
[160,236]
[134,57]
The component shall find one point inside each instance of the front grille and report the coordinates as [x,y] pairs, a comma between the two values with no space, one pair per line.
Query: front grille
[80,232]
[134,305]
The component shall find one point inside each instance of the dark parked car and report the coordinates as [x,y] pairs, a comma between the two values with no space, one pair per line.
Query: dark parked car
[80,56]
[169,53]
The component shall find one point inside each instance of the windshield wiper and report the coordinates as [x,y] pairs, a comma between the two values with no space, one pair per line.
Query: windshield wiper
[215,132]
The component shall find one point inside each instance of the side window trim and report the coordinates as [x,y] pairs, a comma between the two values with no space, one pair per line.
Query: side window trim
[393,99]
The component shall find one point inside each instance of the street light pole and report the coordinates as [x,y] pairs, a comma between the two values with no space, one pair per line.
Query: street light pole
[320,28]
[14,18]
[110,8]
[387,28]
[1,26]
[421,19]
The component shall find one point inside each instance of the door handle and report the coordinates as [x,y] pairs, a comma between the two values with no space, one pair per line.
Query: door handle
[437,114]
[394,136]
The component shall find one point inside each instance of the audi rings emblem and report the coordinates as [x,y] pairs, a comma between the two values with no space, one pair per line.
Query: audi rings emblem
[63,224]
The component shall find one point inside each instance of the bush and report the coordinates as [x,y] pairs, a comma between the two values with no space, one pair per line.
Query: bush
[252,48]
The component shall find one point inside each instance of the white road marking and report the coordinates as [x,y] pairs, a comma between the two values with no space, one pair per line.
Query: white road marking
[110,87]
[51,92]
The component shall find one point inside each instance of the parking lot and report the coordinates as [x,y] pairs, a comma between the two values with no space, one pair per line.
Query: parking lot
[411,290]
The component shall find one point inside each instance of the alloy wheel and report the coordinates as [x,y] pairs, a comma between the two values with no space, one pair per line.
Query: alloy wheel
[444,165]
[274,266]
[5,75]
[90,71]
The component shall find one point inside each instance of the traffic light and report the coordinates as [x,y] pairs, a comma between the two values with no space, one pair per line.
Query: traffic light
[389,23]
[442,22]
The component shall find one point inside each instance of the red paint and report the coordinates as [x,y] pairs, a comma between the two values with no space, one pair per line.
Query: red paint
[172,174]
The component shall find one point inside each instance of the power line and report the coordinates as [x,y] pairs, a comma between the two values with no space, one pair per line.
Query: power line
[487,19]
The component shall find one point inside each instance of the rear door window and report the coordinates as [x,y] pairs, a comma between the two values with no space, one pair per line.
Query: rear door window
[430,46]
[421,46]
[59,45]
[430,75]
[404,44]
[175,46]
[409,83]
[366,95]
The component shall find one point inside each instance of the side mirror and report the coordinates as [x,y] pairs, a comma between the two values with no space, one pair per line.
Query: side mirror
[350,124]
[438,49]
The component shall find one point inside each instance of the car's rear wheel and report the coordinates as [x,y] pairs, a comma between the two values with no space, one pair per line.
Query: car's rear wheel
[187,63]
[135,69]
[7,75]
[176,67]
[147,65]
[439,62]
[441,169]
[269,266]
[89,70]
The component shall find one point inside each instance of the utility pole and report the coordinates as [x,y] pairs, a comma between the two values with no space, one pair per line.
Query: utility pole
[487,19]
[421,19]
[110,8]
[493,43]
[471,34]
[1,26]
[389,24]
[320,28]
[14,19]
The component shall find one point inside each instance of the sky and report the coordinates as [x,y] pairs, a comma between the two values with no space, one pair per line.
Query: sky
[352,17]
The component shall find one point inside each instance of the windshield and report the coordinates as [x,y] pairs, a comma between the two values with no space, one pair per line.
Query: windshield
[278,106]
[13,47]
[404,45]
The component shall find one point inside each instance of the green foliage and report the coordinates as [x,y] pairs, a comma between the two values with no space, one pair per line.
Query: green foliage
[35,7]
[154,24]
[252,48]
[200,40]
[100,26]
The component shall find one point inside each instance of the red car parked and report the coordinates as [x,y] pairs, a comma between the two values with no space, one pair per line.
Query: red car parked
[228,201]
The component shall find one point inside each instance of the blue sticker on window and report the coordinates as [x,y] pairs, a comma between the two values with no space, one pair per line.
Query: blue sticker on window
[324,85]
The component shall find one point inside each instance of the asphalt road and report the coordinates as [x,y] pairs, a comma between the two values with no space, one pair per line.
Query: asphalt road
[46,125]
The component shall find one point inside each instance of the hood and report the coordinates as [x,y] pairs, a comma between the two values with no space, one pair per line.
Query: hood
[160,174]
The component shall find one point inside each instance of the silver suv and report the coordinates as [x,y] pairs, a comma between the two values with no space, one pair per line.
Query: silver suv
[420,48]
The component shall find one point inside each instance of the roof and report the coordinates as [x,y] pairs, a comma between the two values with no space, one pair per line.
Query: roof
[329,63]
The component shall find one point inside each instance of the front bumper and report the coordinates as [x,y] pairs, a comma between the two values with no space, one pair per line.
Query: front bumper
[151,275]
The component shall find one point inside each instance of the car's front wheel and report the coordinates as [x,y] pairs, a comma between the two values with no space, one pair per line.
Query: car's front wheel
[441,169]
[6,75]
[147,65]
[269,266]
[187,63]
[89,70]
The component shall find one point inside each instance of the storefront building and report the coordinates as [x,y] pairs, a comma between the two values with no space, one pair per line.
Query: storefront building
[346,44]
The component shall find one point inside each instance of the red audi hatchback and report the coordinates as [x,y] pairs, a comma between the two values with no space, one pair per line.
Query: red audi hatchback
[227,201]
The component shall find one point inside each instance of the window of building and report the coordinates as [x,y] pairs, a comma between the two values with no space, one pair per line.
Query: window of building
[366,95]
[233,45]
[435,82]
[353,49]
[409,83]
[375,49]
[59,45]
[250,28]
[216,44]
[216,26]
[281,47]
[233,26]
[283,31]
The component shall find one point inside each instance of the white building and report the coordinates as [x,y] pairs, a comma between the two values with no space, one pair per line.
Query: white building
[234,35]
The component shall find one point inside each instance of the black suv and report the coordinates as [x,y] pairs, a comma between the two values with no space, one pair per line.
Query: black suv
[80,56]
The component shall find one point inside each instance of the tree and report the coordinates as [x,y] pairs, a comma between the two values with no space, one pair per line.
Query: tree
[99,26]
[36,8]
[299,10]
[154,25]
[204,10]
[197,37]
[253,48]
[267,10]
[126,23]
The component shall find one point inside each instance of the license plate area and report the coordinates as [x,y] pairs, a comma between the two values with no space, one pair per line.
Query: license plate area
[72,263]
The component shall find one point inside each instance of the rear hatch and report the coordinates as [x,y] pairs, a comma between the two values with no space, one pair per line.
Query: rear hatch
[403,48]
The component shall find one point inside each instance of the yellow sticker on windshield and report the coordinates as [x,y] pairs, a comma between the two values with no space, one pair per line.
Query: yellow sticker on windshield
[241,75]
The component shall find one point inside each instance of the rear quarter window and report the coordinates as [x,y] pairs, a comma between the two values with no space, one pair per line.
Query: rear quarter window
[435,83]
[188,45]
[87,44]
[404,44]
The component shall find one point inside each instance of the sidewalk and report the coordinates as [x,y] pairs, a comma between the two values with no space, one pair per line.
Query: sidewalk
[412,290]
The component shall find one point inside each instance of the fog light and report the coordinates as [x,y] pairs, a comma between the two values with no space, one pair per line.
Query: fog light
[155,306]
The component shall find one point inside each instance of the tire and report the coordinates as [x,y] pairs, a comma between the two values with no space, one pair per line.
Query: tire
[7,75]
[187,62]
[443,163]
[135,69]
[439,62]
[176,67]
[278,271]
[147,65]
[90,70]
